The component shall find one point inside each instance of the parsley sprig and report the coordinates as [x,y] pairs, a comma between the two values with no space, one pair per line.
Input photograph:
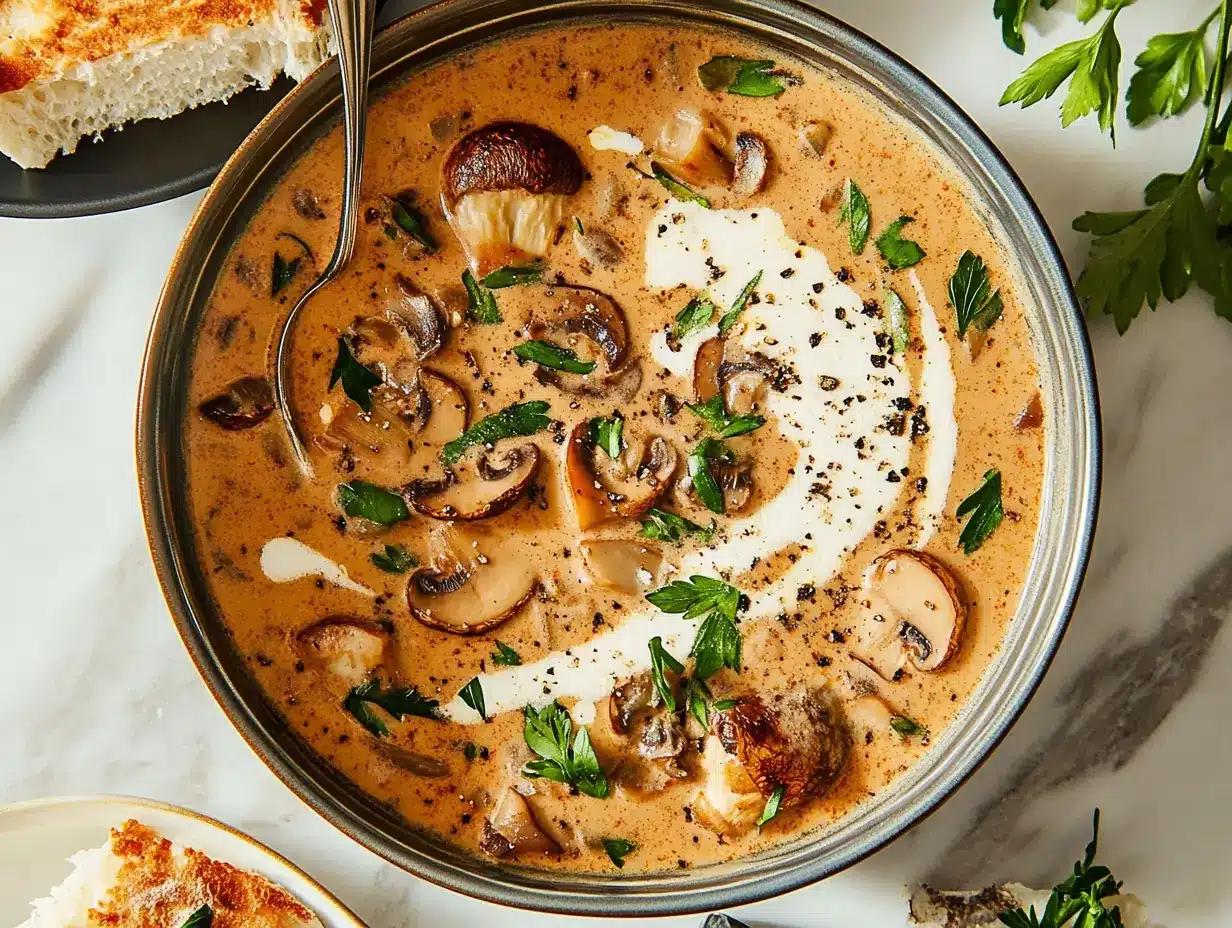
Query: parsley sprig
[397,702]
[716,603]
[661,525]
[563,756]
[984,508]
[725,425]
[518,420]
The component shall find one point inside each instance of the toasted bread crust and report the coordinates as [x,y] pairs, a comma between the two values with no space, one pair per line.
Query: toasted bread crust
[83,31]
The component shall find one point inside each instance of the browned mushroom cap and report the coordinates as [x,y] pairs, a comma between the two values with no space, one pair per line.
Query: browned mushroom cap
[628,698]
[729,802]
[512,830]
[246,403]
[915,607]
[470,596]
[752,164]
[622,565]
[503,188]
[693,146]
[487,487]
[350,650]
[625,488]
[416,314]
[448,410]
[595,316]
[706,381]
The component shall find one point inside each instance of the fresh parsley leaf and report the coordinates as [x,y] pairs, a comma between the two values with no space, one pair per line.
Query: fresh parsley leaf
[855,211]
[283,272]
[900,326]
[745,77]
[718,643]
[723,705]
[1090,65]
[513,274]
[716,646]
[661,525]
[563,756]
[395,559]
[411,221]
[729,318]
[399,703]
[357,380]
[617,849]
[472,695]
[697,314]
[1171,75]
[899,253]
[374,503]
[577,224]
[470,750]
[969,295]
[697,700]
[505,656]
[545,354]
[677,189]
[713,413]
[772,805]
[481,305]
[1012,13]
[609,434]
[984,507]
[698,466]
[518,420]
[906,726]
[660,662]
[202,918]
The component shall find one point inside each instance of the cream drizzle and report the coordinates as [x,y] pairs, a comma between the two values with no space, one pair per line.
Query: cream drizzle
[284,560]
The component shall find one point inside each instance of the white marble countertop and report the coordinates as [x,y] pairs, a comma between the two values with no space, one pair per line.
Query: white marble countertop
[98,695]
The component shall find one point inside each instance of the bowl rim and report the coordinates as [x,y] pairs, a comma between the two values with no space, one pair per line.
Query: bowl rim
[153,460]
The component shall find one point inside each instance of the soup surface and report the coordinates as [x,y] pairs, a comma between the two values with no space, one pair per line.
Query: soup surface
[670,492]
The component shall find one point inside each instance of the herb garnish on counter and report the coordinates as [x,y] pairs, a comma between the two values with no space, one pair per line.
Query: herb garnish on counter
[772,806]
[514,421]
[969,295]
[201,918]
[563,756]
[395,559]
[481,305]
[661,525]
[854,211]
[609,434]
[397,702]
[698,466]
[512,275]
[899,253]
[660,662]
[505,656]
[745,77]
[357,380]
[729,318]
[713,413]
[617,849]
[984,507]
[472,695]
[546,354]
[375,503]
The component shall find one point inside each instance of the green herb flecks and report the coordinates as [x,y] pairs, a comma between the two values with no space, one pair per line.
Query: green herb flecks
[855,211]
[696,315]
[513,275]
[676,188]
[481,302]
[729,318]
[357,380]
[562,756]
[618,849]
[723,705]
[713,413]
[745,77]
[984,507]
[518,420]
[201,918]
[546,354]
[772,806]
[608,434]
[395,559]
[969,295]
[698,466]
[660,525]
[660,662]
[470,750]
[505,656]
[900,325]
[898,252]
[283,272]
[718,643]
[366,500]
[399,703]
[697,700]
[411,221]
[907,726]
[472,695]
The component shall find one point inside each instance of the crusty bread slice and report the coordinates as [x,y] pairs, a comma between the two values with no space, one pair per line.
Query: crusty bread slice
[65,75]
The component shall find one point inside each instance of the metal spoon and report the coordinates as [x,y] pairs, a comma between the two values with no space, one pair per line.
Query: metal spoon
[352,25]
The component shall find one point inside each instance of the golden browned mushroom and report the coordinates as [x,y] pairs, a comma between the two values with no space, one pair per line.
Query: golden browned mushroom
[915,612]
[512,830]
[477,489]
[752,164]
[581,312]
[628,698]
[350,650]
[467,593]
[693,146]
[504,188]
[418,317]
[246,403]
[604,488]
[627,566]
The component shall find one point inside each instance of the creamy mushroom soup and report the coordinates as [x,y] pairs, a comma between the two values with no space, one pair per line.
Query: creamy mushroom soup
[676,446]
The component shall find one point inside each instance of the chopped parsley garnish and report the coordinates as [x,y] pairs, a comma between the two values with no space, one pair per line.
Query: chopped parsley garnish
[481,302]
[411,221]
[969,294]
[661,525]
[984,507]
[546,354]
[745,77]
[772,805]
[512,275]
[899,253]
[505,656]
[563,756]
[518,420]
[395,559]
[472,695]
[399,703]
[729,318]
[900,327]
[907,726]
[617,849]
[375,503]
[357,380]
[698,467]
[283,272]
[713,413]
[717,644]
[677,189]
[470,750]
[697,314]
[609,434]
[697,700]
[723,705]
[660,662]
[202,918]
[855,211]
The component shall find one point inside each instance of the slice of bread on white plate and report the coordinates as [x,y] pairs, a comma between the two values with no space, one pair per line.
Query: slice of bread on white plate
[66,74]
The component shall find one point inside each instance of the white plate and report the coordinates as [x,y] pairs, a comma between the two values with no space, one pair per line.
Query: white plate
[37,837]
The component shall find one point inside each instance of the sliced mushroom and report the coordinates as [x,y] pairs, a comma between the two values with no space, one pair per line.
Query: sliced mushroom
[421,765]
[472,491]
[622,565]
[915,610]
[729,801]
[504,188]
[752,164]
[448,410]
[817,135]
[468,593]
[350,650]
[512,830]
[247,402]
[741,378]
[580,311]
[597,246]
[629,698]
[706,381]
[693,146]
[417,315]
[603,488]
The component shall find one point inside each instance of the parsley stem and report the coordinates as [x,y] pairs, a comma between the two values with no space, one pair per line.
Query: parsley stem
[1212,129]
